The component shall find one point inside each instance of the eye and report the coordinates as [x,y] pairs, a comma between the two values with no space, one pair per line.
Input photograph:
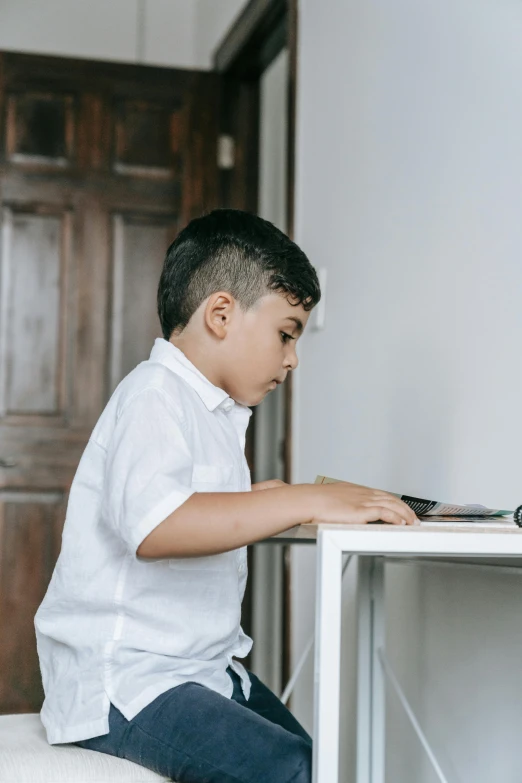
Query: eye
[286,337]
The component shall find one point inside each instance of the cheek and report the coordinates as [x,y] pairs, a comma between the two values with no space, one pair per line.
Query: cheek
[260,355]
[253,341]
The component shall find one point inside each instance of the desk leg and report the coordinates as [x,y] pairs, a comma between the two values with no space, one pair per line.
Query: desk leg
[371,702]
[327,669]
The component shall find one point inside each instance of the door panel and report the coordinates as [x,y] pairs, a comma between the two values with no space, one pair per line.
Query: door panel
[135,323]
[40,128]
[30,536]
[100,165]
[147,139]
[34,284]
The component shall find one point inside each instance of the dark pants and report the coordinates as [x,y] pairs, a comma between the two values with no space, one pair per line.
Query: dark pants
[194,735]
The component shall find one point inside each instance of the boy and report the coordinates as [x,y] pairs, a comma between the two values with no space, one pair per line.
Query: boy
[139,631]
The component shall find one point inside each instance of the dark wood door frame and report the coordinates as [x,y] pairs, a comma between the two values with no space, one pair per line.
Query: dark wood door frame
[259,34]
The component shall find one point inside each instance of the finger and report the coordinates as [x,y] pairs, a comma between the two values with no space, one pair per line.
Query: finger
[384,514]
[406,509]
[380,496]
[407,512]
[393,503]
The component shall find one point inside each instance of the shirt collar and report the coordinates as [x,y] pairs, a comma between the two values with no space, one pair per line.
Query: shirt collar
[213,397]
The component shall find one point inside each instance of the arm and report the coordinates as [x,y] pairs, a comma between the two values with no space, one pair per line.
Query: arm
[212,522]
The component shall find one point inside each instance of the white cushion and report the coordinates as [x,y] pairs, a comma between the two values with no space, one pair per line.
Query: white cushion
[26,757]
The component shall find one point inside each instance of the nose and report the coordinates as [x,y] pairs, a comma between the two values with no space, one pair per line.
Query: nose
[291,360]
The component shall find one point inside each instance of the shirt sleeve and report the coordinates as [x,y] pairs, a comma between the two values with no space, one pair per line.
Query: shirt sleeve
[148,469]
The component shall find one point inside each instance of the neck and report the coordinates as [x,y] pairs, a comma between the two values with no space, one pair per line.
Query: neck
[199,355]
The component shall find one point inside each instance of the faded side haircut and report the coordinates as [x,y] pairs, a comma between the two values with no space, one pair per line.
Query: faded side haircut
[234,251]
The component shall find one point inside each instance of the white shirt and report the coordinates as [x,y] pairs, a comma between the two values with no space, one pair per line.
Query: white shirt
[116,628]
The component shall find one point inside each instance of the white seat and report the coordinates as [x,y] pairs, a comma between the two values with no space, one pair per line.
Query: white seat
[26,757]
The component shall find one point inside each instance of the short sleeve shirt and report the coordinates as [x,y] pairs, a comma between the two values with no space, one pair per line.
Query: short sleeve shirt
[117,628]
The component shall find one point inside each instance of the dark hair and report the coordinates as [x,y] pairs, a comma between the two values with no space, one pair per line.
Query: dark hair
[233,251]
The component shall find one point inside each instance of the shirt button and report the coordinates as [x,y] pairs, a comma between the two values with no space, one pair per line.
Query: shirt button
[228,405]
[242,568]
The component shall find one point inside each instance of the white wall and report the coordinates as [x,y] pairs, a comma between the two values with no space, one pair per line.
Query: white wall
[177,33]
[409,191]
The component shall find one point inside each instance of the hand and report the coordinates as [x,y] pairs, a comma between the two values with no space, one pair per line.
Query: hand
[351,504]
[272,484]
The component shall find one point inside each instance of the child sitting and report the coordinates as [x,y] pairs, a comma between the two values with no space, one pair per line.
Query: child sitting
[139,632]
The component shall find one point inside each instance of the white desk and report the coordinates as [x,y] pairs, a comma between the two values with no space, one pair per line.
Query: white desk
[373,544]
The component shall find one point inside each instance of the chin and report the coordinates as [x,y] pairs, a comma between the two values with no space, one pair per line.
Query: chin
[251,401]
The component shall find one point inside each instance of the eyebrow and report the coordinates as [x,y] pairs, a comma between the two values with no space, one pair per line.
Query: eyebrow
[297,321]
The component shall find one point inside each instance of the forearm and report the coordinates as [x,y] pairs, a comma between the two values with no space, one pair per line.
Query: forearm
[212,522]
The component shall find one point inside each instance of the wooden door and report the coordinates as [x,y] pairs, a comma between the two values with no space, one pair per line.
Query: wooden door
[100,165]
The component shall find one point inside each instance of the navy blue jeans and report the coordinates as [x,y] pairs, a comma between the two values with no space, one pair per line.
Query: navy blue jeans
[194,735]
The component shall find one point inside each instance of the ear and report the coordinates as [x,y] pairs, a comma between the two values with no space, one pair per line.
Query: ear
[219,311]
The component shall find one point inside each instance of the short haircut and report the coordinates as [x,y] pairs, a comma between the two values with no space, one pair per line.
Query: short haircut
[234,251]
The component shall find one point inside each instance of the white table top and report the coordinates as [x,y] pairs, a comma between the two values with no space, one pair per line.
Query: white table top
[498,538]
